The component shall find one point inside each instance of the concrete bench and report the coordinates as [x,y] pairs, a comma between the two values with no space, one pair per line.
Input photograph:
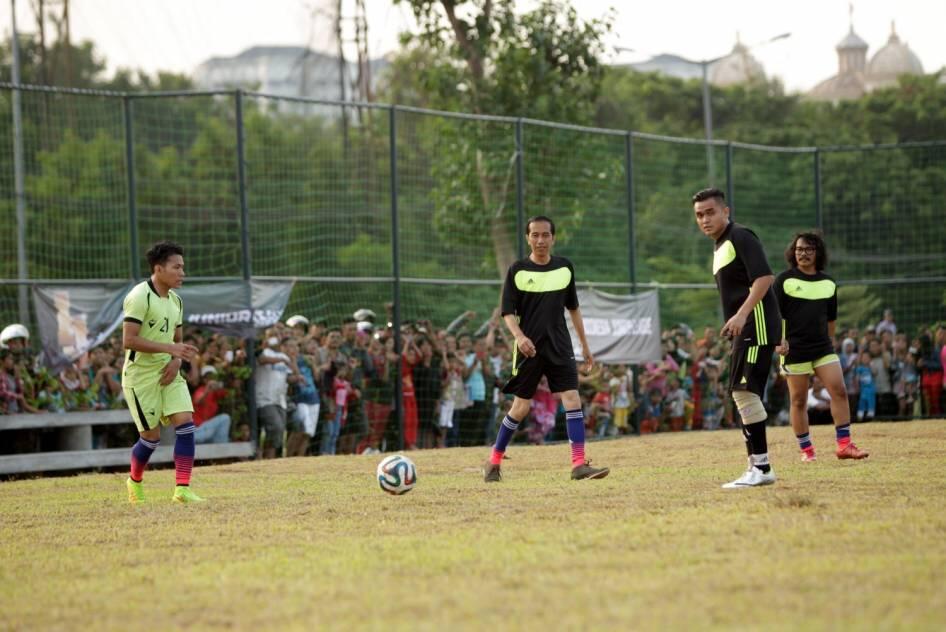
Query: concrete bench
[75,443]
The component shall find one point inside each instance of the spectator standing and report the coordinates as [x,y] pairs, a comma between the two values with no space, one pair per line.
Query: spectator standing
[887,324]
[867,400]
[621,397]
[306,398]
[272,384]
[674,403]
[931,375]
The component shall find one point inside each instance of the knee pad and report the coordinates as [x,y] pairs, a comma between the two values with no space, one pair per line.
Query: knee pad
[750,407]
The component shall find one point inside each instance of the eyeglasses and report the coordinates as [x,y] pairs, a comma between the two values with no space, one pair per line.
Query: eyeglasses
[806,250]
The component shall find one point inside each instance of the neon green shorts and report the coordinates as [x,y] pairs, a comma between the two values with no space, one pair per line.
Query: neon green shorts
[808,368]
[154,404]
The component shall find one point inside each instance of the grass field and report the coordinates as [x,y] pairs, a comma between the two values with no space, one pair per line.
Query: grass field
[313,543]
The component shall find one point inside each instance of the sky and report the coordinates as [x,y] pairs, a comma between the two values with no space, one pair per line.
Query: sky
[177,35]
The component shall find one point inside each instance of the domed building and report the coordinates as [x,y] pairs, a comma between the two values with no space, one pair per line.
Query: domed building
[737,67]
[891,61]
[856,77]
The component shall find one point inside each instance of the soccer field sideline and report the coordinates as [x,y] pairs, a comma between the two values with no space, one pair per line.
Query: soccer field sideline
[313,543]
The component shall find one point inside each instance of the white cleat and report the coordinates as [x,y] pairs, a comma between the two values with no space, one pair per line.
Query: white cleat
[753,477]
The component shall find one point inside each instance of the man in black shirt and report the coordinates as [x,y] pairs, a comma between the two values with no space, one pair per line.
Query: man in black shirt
[753,323]
[808,301]
[537,292]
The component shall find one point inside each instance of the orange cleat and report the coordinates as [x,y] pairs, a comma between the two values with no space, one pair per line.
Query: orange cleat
[851,451]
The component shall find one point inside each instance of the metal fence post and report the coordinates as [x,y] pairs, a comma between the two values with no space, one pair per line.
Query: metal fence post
[520,193]
[629,191]
[22,269]
[128,113]
[730,186]
[819,210]
[396,269]
[247,266]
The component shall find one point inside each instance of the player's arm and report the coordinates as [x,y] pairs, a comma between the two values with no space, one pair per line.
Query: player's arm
[757,291]
[132,340]
[173,368]
[580,330]
[522,341]
[509,301]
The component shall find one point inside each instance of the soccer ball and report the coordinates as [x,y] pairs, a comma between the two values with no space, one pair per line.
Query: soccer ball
[397,474]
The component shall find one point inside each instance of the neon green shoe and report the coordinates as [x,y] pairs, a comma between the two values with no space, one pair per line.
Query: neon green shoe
[183,494]
[136,492]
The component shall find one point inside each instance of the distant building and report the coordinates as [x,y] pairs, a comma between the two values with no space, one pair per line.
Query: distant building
[739,66]
[287,71]
[856,76]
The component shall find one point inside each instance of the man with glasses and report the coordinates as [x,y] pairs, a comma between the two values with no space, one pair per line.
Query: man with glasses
[808,301]
[753,323]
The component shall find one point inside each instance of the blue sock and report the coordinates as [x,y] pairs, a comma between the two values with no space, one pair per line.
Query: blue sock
[184,451]
[139,457]
[506,430]
[804,441]
[575,425]
[843,434]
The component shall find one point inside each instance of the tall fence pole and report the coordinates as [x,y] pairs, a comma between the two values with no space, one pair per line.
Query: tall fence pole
[819,209]
[520,193]
[22,271]
[629,191]
[128,113]
[730,187]
[396,287]
[247,265]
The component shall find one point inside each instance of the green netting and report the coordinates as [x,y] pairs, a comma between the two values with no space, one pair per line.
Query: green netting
[456,196]
[318,191]
[76,206]
[774,195]
[319,199]
[186,180]
[579,180]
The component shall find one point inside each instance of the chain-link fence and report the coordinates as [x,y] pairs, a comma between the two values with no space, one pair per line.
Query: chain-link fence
[365,205]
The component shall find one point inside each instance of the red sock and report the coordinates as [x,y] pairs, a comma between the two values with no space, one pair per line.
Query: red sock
[496,457]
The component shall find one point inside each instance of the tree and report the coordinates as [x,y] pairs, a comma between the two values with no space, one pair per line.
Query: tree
[479,56]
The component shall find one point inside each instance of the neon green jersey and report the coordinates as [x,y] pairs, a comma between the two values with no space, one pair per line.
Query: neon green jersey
[159,318]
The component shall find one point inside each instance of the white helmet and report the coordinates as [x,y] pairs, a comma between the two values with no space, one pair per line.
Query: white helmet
[11,332]
[364,314]
[298,319]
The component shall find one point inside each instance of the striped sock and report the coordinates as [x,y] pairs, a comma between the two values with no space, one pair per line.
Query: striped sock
[843,434]
[804,443]
[506,430]
[184,453]
[575,424]
[140,454]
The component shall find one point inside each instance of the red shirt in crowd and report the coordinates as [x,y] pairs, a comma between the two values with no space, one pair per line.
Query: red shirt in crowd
[210,406]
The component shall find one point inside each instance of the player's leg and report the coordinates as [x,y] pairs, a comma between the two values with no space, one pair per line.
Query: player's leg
[574,423]
[829,370]
[143,403]
[525,379]
[798,377]
[750,371]
[178,410]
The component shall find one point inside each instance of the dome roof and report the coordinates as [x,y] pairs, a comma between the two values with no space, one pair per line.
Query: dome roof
[736,67]
[851,41]
[891,61]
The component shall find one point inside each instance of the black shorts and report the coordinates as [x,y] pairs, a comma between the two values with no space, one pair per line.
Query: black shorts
[528,372]
[749,368]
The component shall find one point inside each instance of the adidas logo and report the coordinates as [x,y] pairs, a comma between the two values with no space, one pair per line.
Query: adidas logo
[743,380]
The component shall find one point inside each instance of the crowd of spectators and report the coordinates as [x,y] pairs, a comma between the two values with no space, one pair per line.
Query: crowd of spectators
[325,389]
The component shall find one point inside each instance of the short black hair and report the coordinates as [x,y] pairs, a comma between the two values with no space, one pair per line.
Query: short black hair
[539,218]
[159,253]
[706,194]
[813,238]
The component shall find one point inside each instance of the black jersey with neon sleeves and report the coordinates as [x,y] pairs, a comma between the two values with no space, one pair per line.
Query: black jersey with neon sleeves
[738,260]
[539,296]
[808,302]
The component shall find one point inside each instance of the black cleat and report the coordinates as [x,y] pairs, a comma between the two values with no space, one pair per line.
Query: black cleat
[585,470]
